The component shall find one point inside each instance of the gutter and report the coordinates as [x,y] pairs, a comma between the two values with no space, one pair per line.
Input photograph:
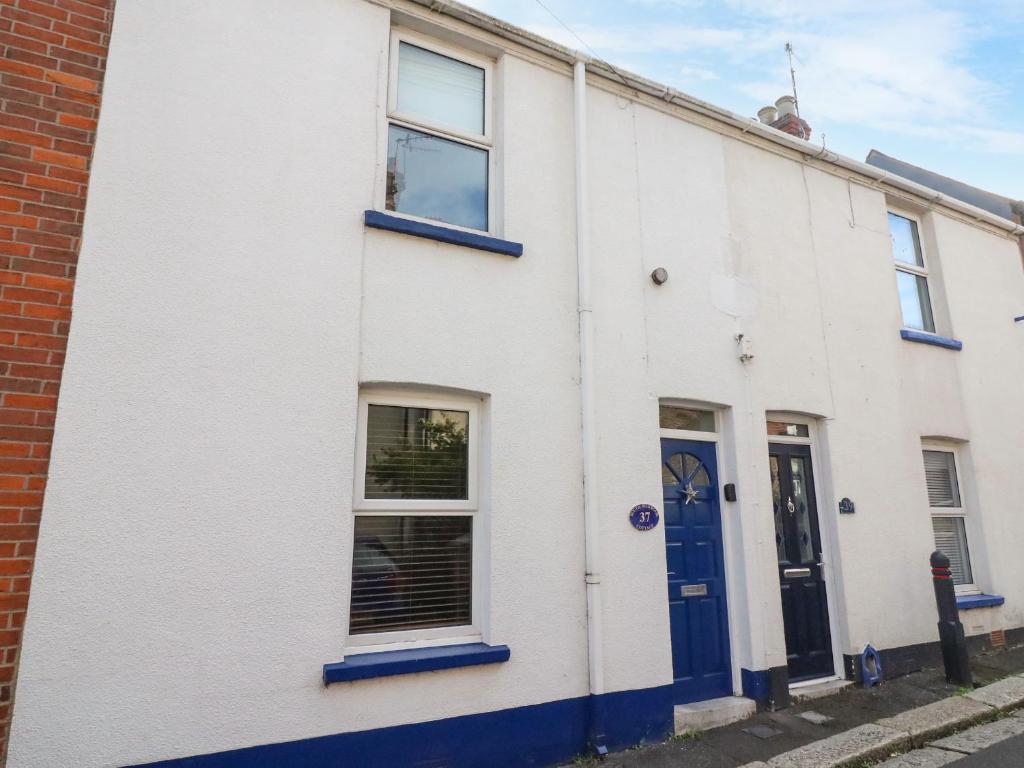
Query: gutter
[664,93]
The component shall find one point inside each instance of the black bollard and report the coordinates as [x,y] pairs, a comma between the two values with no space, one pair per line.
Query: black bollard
[951,631]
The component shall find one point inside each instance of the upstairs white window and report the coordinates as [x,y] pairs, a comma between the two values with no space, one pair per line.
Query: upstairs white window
[911,273]
[949,523]
[439,134]
[416,501]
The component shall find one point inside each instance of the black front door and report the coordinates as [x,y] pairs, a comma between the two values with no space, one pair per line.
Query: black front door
[798,543]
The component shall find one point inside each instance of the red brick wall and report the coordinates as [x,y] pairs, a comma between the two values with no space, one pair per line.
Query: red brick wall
[51,74]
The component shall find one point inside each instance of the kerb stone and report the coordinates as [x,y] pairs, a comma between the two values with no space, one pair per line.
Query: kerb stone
[938,717]
[866,742]
[1004,694]
[922,758]
[982,736]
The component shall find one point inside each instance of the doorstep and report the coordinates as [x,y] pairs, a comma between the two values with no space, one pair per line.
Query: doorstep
[818,690]
[713,713]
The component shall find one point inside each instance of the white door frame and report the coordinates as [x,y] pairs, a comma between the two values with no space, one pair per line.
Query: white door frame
[826,529]
[731,577]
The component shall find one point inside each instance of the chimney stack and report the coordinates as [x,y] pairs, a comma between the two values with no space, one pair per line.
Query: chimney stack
[787,120]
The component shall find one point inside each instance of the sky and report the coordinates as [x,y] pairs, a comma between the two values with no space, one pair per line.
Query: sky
[937,83]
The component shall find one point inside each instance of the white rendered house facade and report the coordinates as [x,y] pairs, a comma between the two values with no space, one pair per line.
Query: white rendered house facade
[378,444]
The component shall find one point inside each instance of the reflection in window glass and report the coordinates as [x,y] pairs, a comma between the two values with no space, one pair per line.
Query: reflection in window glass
[673,417]
[804,535]
[436,178]
[416,453]
[439,89]
[780,528]
[915,301]
[411,572]
[906,242]
[787,429]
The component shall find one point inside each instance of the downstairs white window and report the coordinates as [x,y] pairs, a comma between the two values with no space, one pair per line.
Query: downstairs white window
[949,518]
[415,507]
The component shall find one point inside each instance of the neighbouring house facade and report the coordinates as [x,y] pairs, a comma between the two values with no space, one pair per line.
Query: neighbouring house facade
[1007,208]
[437,396]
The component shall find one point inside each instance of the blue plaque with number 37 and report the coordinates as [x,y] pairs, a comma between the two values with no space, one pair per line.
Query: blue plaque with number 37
[643,517]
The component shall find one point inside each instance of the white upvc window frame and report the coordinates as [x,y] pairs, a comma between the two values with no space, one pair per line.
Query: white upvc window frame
[913,269]
[469,507]
[962,512]
[483,141]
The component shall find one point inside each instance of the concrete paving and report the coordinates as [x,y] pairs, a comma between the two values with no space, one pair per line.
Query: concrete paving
[982,736]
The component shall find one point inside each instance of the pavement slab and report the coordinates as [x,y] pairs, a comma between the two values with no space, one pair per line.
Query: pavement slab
[816,717]
[863,743]
[982,736]
[928,757]
[938,717]
[1004,694]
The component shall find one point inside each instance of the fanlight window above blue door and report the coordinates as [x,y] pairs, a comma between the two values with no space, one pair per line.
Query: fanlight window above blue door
[683,469]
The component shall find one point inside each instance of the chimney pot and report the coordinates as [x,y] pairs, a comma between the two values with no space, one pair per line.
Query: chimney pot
[786,105]
[767,115]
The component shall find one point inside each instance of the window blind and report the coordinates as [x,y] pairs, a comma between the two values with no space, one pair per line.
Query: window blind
[440,89]
[940,475]
[951,540]
[416,453]
[411,572]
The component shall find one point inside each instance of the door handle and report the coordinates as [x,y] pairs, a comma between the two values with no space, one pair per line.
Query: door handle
[796,573]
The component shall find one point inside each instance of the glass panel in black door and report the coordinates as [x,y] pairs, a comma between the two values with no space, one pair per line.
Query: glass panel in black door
[798,543]
[698,614]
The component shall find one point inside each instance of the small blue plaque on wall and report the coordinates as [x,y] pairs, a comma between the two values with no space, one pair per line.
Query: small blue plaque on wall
[643,517]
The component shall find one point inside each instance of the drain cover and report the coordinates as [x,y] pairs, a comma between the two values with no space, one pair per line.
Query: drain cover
[762,731]
[816,717]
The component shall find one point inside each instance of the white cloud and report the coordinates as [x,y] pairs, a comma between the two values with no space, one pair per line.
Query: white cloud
[904,71]
[904,68]
[697,73]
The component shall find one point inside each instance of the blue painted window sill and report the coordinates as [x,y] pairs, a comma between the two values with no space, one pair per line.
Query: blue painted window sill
[442,234]
[368,665]
[967,602]
[921,337]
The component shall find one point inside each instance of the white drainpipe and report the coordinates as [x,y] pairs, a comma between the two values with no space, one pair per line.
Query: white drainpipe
[595,640]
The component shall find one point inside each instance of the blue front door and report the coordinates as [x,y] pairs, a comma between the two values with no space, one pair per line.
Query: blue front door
[701,666]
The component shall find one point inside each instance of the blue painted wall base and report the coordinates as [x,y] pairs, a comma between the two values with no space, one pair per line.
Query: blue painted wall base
[755,684]
[538,735]
[768,687]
